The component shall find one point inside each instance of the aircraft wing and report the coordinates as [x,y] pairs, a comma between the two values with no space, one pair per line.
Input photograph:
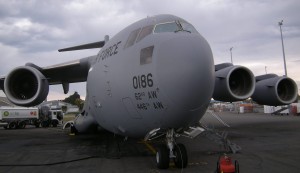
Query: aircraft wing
[64,73]
[69,72]
[73,71]
[29,85]
[236,83]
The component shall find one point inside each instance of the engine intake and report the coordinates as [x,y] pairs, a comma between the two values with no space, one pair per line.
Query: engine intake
[274,91]
[26,86]
[233,83]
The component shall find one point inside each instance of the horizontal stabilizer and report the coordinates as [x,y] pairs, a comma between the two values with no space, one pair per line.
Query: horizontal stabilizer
[98,44]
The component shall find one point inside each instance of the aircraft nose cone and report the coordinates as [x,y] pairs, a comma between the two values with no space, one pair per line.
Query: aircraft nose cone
[186,71]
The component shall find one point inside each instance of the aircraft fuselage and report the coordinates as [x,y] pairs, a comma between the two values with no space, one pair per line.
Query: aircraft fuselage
[155,78]
[163,80]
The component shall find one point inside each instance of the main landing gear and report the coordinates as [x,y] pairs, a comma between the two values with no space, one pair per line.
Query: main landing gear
[171,151]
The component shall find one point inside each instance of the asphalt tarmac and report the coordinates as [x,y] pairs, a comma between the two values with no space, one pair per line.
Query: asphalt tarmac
[269,144]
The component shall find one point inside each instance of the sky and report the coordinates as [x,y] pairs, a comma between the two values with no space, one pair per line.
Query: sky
[33,31]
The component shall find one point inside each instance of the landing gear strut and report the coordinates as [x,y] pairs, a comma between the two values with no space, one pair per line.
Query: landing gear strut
[171,150]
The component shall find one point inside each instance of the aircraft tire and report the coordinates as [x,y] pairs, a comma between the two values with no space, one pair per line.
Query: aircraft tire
[162,157]
[181,158]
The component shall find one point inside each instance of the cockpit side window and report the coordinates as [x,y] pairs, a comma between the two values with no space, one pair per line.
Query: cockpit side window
[146,55]
[132,37]
[166,27]
[147,30]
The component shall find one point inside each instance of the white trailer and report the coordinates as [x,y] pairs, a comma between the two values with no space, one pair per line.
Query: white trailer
[18,117]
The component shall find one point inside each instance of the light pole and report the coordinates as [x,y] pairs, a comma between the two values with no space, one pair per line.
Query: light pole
[266,69]
[280,24]
[231,54]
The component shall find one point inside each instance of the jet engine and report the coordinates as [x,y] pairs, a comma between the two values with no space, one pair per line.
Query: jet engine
[26,86]
[274,91]
[233,83]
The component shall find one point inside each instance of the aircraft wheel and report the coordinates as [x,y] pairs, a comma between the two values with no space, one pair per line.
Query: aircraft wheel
[162,157]
[181,158]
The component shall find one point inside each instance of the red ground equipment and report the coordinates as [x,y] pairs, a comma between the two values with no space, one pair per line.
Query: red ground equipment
[225,165]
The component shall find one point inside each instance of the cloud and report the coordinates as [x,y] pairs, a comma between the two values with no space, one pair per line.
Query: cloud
[32,31]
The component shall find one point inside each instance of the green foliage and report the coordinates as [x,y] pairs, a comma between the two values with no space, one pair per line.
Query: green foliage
[79,103]
[75,100]
[72,98]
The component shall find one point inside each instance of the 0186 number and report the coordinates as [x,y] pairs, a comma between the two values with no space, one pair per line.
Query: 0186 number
[142,81]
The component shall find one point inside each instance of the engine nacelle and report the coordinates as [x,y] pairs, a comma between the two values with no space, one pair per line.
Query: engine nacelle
[233,83]
[274,91]
[26,86]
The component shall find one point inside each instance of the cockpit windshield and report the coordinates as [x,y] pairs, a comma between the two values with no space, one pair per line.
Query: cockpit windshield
[188,27]
[175,26]
[166,27]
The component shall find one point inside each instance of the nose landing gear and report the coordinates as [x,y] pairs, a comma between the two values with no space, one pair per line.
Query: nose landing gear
[170,151]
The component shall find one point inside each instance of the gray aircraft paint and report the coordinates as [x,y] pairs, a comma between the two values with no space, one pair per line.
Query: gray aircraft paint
[180,63]
[163,80]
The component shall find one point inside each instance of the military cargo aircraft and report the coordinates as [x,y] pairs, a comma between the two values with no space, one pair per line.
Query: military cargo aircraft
[155,78]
